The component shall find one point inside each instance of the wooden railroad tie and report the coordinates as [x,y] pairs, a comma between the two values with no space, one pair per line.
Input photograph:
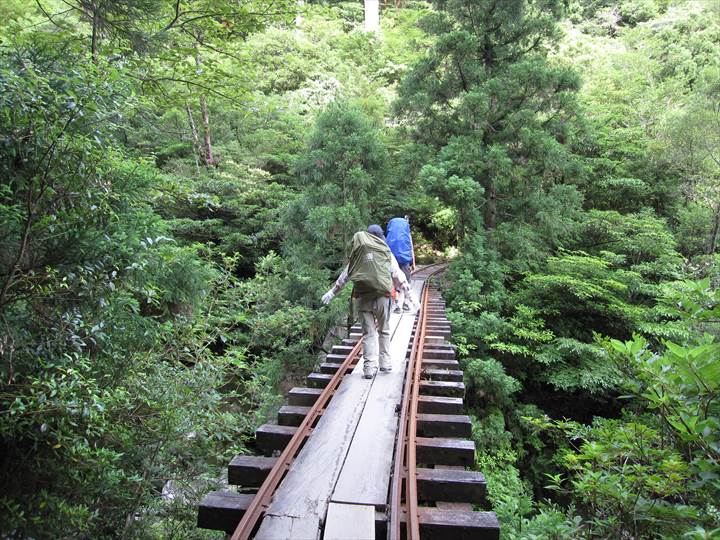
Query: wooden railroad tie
[223,510]
[440,405]
[305,397]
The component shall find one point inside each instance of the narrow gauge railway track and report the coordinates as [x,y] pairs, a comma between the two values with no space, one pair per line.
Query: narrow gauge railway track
[447,484]
[433,501]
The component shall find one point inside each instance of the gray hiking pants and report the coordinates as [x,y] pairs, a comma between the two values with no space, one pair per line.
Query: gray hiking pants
[401,300]
[375,320]
[408,273]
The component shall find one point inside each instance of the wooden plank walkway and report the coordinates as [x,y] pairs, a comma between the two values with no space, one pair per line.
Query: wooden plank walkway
[302,498]
[365,476]
[348,457]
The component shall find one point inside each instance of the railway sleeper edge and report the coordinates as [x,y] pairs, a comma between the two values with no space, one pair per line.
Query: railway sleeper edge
[223,510]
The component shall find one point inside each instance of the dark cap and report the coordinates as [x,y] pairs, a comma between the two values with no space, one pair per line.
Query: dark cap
[376,230]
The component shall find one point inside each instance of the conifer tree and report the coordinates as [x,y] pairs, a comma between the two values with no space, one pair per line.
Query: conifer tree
[340,178]
[491,106]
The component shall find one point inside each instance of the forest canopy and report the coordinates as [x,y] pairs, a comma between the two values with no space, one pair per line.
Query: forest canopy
[178,183]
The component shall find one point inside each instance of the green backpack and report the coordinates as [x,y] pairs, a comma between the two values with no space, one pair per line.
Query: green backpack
[369,268]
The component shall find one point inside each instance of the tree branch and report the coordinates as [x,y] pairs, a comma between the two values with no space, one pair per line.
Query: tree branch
[208,89]
[175,19]
[50,17]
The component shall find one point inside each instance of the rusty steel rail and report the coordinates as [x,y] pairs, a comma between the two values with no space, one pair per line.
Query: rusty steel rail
[405,458]
[261,501]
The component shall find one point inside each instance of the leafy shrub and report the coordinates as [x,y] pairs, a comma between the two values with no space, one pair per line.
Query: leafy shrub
[637,11]
[474,281]
[489,383]
[628,481]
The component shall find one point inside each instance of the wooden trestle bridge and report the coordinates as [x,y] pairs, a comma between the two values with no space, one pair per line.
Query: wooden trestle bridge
[351,458]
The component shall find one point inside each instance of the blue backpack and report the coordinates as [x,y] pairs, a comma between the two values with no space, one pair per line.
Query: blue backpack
[398,238]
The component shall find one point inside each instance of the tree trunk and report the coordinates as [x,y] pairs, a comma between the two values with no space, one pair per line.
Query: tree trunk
[207,144]
[195,138]
[491,207]
[16,265]
[372,16]
[712,242]
[95,34]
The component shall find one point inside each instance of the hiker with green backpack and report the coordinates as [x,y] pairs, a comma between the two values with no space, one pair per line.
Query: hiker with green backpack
[374,271]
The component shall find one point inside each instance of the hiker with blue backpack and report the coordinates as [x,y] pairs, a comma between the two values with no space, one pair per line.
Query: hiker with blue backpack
[374,272]
[401,245]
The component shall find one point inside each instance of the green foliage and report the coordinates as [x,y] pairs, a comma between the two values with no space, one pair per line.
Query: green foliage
[549,522]
[681,385]
[620,194]
[654,472]
[580,294]
[474,281]
[149,322]
[494,107]
[684,46]
[519,298]
[489,382]
[642,239]
[338,176]
[235,211]
[109,389]
[283,327]
[696,303]
[628,481]
[693,228]
[508,494]
[610,16]
[119,291]
[489,432]
[528,331]
[549,221]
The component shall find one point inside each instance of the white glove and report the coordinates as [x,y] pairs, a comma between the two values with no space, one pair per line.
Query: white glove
[328,296]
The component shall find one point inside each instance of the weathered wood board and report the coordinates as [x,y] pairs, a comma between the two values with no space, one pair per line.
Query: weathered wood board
[366,473]
[301,501]
[222,510]
[349,522]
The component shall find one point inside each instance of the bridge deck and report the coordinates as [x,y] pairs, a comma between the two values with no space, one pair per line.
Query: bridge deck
[348,457]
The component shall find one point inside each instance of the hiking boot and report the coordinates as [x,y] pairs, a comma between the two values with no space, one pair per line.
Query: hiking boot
[405,308]
[369,373]
[397,310]
[386,368]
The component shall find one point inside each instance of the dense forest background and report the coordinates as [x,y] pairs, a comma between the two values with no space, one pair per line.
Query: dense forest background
[178,179]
